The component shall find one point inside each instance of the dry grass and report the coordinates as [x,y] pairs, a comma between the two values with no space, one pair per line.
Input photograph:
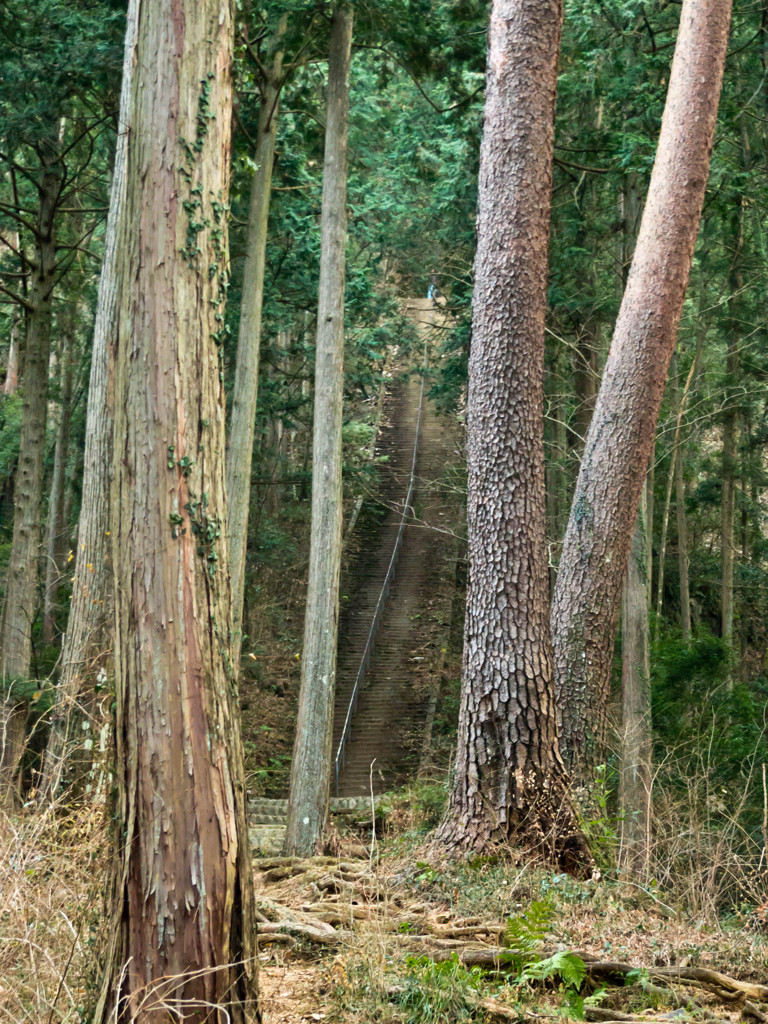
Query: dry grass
[52,876]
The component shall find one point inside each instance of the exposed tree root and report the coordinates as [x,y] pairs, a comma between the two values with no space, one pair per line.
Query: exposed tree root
[349,895]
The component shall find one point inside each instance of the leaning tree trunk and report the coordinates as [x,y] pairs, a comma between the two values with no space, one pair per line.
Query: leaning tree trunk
[245,390]
[587,596]
[183,936]
[311,765]
[87,641]
[510,784]
[20,597]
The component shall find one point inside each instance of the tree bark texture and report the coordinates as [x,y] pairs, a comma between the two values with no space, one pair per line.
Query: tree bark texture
[635,782]
[245,391]
[311,765]
[183,939]
[20,599]
[87,641]
[587,603]
[510,783]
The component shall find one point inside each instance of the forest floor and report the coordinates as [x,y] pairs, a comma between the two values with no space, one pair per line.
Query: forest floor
[377,934]
[390,938]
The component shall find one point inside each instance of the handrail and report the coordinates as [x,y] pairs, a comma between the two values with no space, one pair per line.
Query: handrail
[383,593]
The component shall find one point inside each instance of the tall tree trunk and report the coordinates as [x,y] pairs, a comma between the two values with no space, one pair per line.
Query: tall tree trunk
[730,433]
[56,526]
[20,597]
[682,547]
[635,785]
[510,783]
[728,500]
[276,433]
[183,936]
[11,381]
[245,390]
[311,766]
[87,643]
[596,550]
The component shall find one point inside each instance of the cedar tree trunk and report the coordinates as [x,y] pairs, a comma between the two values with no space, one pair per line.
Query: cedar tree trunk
[88,637]
[20,598]
[245,390]
[311,766]
[587,598]
[183,940]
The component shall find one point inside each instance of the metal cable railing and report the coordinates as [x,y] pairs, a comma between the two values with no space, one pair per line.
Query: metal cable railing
[383,595]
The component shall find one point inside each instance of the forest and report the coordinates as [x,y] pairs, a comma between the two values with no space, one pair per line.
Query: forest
[383,511]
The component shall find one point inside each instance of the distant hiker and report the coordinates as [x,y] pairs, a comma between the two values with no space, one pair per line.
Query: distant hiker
[433,292]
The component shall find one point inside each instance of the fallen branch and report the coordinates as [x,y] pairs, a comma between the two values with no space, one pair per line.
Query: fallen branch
[724,987]
[320,934]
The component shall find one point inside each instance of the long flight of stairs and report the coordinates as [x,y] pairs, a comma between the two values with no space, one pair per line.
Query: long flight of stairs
[381,749]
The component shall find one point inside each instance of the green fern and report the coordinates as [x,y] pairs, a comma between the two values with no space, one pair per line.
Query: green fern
[525,933]
[568,967]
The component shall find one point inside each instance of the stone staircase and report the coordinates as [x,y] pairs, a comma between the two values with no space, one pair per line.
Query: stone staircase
[267,820]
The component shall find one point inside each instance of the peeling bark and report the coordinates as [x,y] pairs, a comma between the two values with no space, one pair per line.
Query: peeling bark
[183,939]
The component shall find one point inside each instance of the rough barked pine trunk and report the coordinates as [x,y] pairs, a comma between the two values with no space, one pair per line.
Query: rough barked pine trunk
[510,785]
[245,391]
[20,598]
[311,765]
[87,643]
[635,781]
[183,936]
[587,598]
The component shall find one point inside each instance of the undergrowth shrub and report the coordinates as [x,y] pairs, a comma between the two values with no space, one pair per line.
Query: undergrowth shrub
[53,876]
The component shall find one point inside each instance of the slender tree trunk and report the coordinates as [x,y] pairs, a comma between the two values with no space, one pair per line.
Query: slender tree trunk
[596,550]
[183,936]
[663,540]
[510,785]
[728,500]
[682,548]
[585,379]
[635,787]
[20,599]
[87,643]
[245,391]
[56,525]
[311,766]
[276,433]
[730,434]
[11,382]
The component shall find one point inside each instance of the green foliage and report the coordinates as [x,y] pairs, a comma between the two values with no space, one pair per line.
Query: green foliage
[526,932]
[438,991]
